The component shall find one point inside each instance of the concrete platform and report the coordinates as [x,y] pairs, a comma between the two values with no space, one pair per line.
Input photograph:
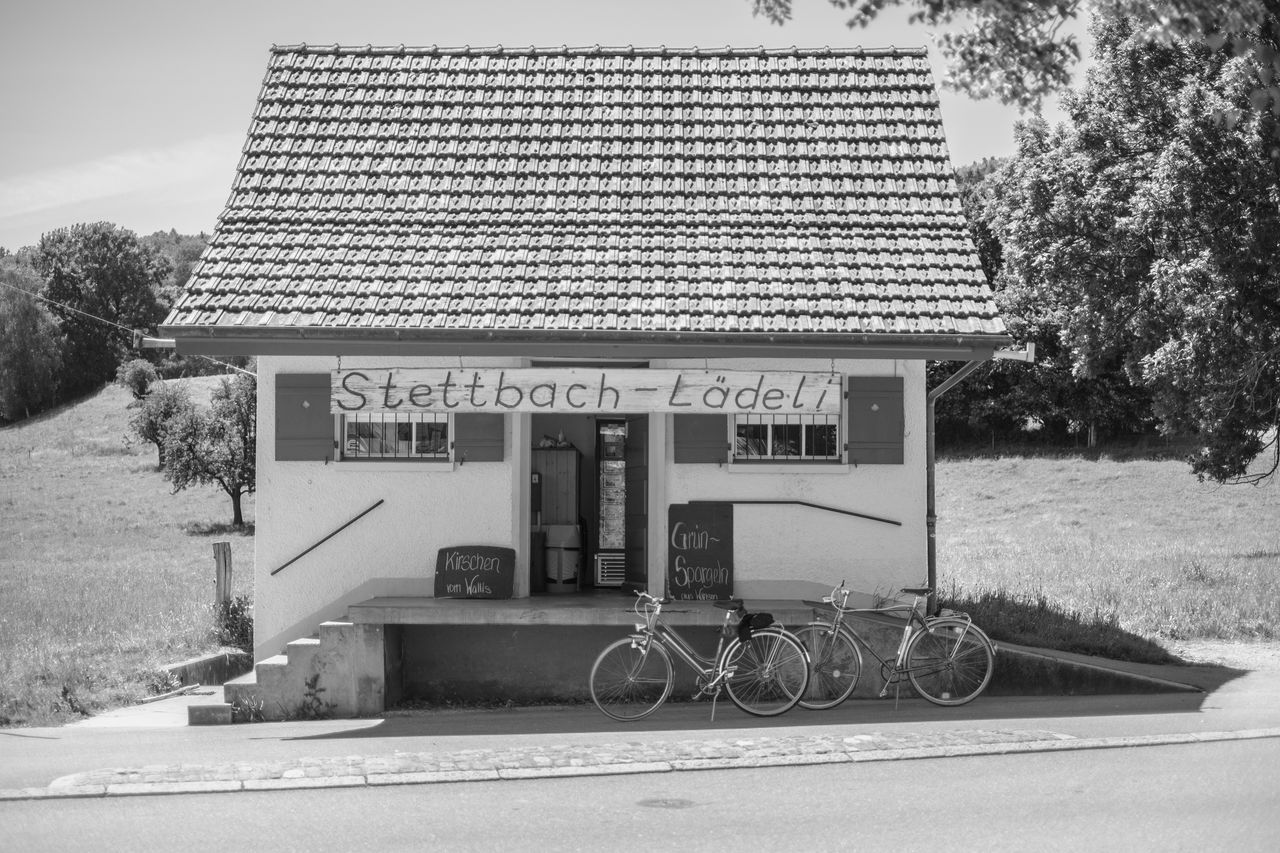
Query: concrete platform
[591,608]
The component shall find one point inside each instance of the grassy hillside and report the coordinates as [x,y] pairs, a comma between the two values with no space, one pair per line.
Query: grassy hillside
[1139,546]
[104,575]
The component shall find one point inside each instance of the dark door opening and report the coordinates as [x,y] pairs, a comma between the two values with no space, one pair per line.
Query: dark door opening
[588,520]
[637,503]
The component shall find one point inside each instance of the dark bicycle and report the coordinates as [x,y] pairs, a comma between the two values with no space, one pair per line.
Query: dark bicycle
[947,659]
[761,665]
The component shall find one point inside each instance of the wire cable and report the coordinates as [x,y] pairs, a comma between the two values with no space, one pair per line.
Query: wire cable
[132,332]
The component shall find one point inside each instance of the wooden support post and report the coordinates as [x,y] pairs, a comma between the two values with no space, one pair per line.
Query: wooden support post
[222,572]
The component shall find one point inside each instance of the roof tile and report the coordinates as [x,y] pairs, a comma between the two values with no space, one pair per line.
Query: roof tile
[595,189]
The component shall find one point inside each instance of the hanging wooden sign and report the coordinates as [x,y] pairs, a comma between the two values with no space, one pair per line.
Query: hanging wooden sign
[571,390]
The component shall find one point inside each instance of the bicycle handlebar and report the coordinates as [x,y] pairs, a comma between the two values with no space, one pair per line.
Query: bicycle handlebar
[651,604]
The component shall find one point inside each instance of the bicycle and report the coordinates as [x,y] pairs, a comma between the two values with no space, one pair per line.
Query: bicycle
[761,665]
[947,659]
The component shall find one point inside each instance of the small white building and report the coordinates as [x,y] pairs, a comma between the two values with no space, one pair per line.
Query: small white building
[536,327]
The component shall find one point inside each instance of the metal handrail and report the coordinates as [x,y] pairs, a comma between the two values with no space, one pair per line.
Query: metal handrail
[811,506]
[330,536]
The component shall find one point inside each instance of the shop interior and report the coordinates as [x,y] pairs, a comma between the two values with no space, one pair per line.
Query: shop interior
[587,503]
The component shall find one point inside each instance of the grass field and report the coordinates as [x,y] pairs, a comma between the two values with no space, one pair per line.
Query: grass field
[1043,546]
[104,575]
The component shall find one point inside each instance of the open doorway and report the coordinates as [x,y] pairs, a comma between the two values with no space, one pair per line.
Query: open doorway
[588,519]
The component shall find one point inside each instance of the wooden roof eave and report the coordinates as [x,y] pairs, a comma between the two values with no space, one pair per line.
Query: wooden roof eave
[279,340]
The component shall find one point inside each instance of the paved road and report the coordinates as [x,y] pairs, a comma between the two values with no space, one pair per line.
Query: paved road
[149,749]
[1194,797]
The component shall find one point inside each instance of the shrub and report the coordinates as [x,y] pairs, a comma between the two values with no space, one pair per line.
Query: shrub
[137,375]
[233,623]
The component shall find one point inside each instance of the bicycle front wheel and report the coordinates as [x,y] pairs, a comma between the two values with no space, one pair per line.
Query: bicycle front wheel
[835,664]
[770,672]
[950,661]
[630,679]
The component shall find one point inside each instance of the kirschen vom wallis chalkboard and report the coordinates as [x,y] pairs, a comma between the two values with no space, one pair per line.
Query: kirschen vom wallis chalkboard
[700,551]
[475,571]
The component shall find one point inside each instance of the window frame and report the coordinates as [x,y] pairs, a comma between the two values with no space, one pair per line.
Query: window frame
[769,422]
[416,420]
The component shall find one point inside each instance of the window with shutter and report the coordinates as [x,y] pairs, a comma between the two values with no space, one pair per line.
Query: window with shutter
[304,427]
[700,438]
[876,423]
[479,437]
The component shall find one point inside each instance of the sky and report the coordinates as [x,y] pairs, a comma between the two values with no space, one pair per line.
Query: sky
[135,111]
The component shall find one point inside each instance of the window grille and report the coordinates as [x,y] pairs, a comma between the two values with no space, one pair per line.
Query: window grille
[395,436]
[787,438]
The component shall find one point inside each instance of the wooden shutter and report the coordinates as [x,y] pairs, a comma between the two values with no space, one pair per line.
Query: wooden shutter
[304,427]
[876,422]
[701,438]
[479,437]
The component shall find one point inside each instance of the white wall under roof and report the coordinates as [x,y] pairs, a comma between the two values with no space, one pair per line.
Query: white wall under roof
[802,552]
[779,551]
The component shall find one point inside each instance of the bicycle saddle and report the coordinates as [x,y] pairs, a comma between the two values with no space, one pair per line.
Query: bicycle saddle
[729,604]
[917,590]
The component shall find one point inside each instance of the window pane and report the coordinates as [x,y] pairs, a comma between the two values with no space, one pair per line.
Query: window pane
[786,439]
[821,440]
[752,441]
[432,439]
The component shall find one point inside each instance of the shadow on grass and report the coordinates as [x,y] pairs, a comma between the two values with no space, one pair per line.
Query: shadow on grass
[1038,623]
[211,528]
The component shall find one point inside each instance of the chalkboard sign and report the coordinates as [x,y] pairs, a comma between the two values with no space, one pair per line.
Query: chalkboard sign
[475,571]
[700,551]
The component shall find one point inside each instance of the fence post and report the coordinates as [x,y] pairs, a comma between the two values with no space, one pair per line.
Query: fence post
[222,573]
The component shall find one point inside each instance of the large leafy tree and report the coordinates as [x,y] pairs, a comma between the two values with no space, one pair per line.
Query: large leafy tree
[101,283]
[1020,51]
[183,251]
[216,447]
[1142,233]
[30,346]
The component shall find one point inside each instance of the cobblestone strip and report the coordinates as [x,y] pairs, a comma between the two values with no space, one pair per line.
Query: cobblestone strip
[560,761]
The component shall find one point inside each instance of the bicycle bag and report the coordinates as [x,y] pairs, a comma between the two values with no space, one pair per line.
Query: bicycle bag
[752,622]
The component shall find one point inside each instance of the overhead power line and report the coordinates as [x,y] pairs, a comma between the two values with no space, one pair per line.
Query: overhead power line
[137,336]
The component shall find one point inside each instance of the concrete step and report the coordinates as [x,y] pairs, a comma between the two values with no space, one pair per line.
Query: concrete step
[212,714]
[301,653]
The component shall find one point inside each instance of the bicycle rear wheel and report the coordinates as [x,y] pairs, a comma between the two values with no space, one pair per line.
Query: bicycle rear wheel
[835,664]
[630,680]
[770,672]
[950,661]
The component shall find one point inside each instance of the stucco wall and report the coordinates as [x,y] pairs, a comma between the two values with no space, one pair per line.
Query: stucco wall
[793,551]
[779,551]
[391,551]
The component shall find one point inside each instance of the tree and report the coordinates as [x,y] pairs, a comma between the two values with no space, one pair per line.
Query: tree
[1018,51]
[1143,233]
[101,284]
[160,407]
[137,375]
[30,347]
[1045,402]
[216,447]
[183,251]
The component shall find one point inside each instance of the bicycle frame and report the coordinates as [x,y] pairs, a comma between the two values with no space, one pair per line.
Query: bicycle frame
[670,638]
[892,673]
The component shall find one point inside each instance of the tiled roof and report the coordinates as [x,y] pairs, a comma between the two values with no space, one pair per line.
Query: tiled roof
[603,191]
